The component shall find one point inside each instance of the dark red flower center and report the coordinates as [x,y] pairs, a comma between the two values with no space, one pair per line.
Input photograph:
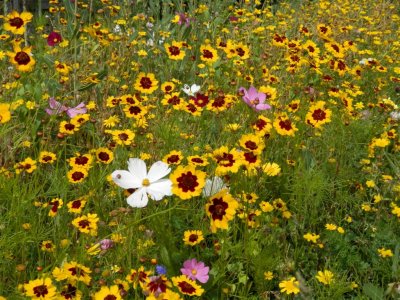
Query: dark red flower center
[76,204]
[22,58]
[135,110]
[187,182]
[103,156]
[110,297]
[40,291]
[250,157]
[173,50]
[186,287]
[123,136]
[81,160]
[319,115]
[145,82]
[240,52]
[207,54]
[218,209]
[285,124]
[225,160]
[251,145]
[84,223]
[173,159]
[193,238]
[16,22]
[77,175]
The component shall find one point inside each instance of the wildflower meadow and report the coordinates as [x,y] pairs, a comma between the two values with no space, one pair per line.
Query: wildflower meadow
[222,149]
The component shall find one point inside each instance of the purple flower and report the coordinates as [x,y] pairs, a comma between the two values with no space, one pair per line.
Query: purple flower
[56,107]
[183,19]
[254,99]
[54,38]
[195,270]
[77,110]
[161,270]
[106,244]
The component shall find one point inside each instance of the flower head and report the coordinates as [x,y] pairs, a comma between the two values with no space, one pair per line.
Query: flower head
[54,38]
[254,99]
[191,90]
[55,107]
[195,270]
[77,110]
[151,183]
[290,286]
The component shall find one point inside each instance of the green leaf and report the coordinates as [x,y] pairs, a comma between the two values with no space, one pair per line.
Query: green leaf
[373,292]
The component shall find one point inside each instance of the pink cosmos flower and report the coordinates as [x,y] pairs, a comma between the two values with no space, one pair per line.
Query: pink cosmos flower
[195,270]
[56,107]
[54,38]
[254,99]
[106,244]
[77,110]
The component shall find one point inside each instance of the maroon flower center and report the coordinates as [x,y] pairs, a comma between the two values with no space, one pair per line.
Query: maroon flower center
[135,110]
[250,157]
[123,136]
[77,175]
[285,124]
[197,160]
[186,288]
[219,101]
[84,223]
[157,285]
[69,127]
[81,160]
[251,145]
[218,208]
[173,159]
[103,156]
[207,54]
[193,238]
[27,166]
[70,292]
[16,22]
[76,204]
[200,100]
[173,50]
[47,158]
[40,291]
[240,52]
[187,182]
[174,100]
[260,124]
[323,29]
[22,58]
[311,49]
[145,82]
[335,47]
[110,297]
[319,115]
[225,160]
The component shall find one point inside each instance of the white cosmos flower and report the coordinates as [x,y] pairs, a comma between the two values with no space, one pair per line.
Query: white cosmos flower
[213,186]
[191,90]
[151,183]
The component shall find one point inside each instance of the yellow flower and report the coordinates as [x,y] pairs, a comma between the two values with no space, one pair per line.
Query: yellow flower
[268,275]
[87,224]
[221,208]
[22,58]
[15,22]
[193,237]
[385,252]
[174,50]
[146,83]
[271,169]
[208,54]
[187,182]
[290,286]
[325,277]
[311,237]
[331,227]
[5,114]
[187,286]
[40,289]
[284,126]
[318,115]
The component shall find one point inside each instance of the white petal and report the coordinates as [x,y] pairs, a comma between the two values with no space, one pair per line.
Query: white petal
[138,168]
[195,88]
[125,179]
[158,170]
[138,198]
[159,189]
[213,186]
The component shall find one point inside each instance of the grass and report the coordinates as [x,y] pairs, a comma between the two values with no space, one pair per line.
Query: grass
[321,196]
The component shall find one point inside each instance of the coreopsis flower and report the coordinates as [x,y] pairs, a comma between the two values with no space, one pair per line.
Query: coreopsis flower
[151,183]
[5,114]
[208,54]
[87,224]
[76,206]
[242,51]
[104,155]
[138,276]
[187,182]
[47,246]
[193,237]
[77,175]
[221,208]
[174,50]
[252,142]
[28,165]
[122,137]
[107,293]
[173,158]
[197,160]
[42,288]
[290,286]
[262,125]
[187,286]
[199,100]
[227,160]
[156,285]
[271,169]
[146,83]
[221,102]
[311,237]
[15,22]
[46,157]
[168,87]
[53,39]
[70,291]
[22,58]
[284,126]
[385,252]
[325,277]
[191,90]
[195,270]
[254,99]
[55,204]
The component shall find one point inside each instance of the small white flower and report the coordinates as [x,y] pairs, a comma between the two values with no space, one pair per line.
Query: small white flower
[395,115]
[213,186]
[191,90]
[117,29]
[150,183]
